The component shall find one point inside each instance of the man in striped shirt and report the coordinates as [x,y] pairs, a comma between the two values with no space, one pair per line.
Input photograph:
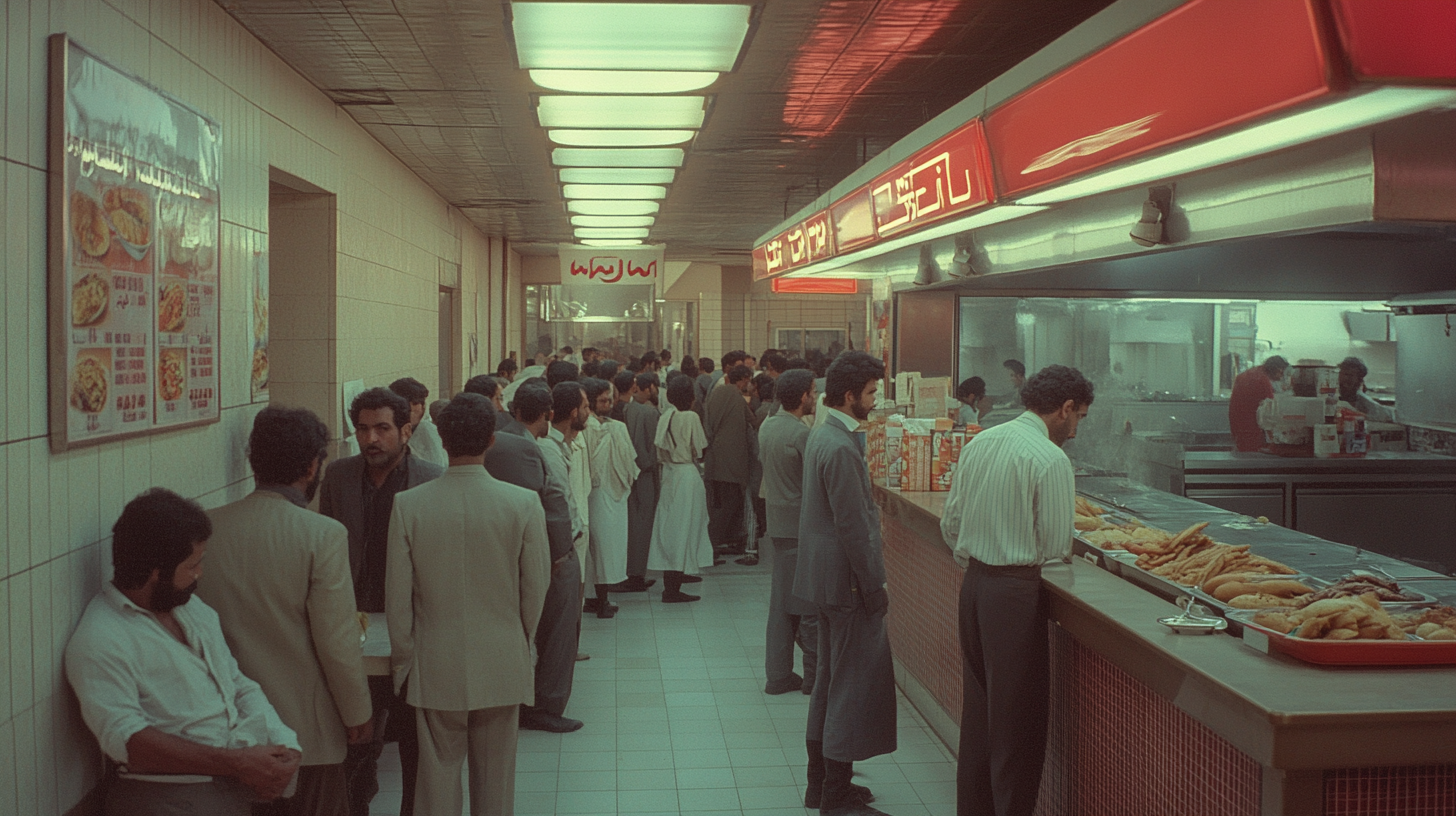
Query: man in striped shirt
[1010,511]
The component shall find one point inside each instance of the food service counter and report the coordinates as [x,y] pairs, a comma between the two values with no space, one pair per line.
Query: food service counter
[1145,721]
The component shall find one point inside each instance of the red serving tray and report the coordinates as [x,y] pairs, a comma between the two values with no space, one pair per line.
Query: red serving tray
[1411,652]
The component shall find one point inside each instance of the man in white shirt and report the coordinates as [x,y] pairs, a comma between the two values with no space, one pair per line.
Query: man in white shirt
[1352,391]
[570,412]
[158,685]
[1009,512]
[424,438]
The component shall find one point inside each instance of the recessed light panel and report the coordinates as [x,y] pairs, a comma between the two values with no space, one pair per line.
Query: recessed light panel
[593,232]
[614,191]
[617,175]
[629,36]
[617,157]
[611,242]
[623,82]
[613,207]
[621,111]
[612,220]
[619,138]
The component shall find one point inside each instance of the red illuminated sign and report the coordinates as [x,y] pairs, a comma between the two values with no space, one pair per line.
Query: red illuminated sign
[816,286]
[1205,66]
[951,175]
[854,220]
[1412,39]
[808,241]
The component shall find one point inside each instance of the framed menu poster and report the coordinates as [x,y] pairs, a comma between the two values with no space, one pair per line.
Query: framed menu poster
[133,255]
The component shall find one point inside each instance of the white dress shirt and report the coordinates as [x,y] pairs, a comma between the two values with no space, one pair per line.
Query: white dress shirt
[558,461]
[130,674]
[425,443]
[1012,497]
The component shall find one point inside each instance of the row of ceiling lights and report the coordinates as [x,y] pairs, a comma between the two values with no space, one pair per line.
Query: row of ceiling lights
[618,102]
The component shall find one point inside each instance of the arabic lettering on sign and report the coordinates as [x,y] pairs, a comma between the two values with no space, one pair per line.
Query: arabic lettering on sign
[611,269]
[811,240]
[580,265]
[948,176]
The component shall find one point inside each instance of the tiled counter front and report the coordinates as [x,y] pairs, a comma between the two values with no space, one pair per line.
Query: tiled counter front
[1144,723]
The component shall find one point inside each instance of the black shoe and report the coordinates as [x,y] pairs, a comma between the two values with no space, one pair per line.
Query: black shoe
[748,560]
[608,611]
[546,721]
[860,796]
[590,605]
[580,656]
[679,597]
[784,686]
[635,583]
[692,579]
[718,562]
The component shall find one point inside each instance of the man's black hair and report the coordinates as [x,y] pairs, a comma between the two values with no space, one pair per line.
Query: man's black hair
[792,385]
[1050,388]
[608,369]
[156,531]
[648,358]
[565,398]
[507,365]
[705,365]
[589,368]
[624,381]
[680,393]
[483,384]
[531,402]
[850,372]
[646,380]
[969,386]
[1275,366]
[567,349]
[560,372]
[763,385]
[739,373]
[665,356]
[1017,367]
[773,361]
[411,389]
[1356,365]
[733,358]
[467,425]
[595,387]
[634,365]
[797,363]
[380,398]
[284,443]
[688,366]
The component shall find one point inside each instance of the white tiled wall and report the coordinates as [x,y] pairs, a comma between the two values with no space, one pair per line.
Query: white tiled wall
[56,510]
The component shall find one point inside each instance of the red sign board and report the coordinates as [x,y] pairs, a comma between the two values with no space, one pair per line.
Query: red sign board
[816,286]
[951,175]
[1411,39]
[806,242]
[854,220]
[1205,66]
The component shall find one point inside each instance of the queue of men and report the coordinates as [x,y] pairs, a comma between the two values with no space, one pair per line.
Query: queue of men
[256,692]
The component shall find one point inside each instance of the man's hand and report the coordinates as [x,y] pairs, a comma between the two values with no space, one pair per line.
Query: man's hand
[267,769]
[362,733]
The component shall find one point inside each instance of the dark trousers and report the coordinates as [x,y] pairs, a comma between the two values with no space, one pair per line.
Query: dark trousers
[790,620]
[760,515]
[323,790]
[641,512]
[852,709]
[362,764]
[224,796]
[725,515]
[1003,622]
[557,637]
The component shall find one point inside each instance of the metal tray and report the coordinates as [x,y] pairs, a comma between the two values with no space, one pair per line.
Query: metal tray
[1223,606]
[1411,652]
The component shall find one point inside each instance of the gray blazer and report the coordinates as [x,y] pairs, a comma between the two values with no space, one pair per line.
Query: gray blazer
[517,460]
[728,424]
[841,554]
[341,498]
[782,439]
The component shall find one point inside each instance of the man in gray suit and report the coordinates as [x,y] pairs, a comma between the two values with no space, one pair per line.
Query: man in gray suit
[359,492]
[781,441]
[729,460]
[842,571]
[641,417]
[518,460]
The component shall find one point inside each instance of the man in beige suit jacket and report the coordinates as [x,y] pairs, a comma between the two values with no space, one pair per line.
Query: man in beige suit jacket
[468,569]
[278,576]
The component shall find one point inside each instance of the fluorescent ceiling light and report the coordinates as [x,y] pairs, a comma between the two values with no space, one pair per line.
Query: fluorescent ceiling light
[612,220]
[629,36]
[984,218]
[619,138]
[620,111]
[1350,113]
[617,175]
[623,82]
[617,157]
[594,232]
[614,191]
[611,242]
[613,207]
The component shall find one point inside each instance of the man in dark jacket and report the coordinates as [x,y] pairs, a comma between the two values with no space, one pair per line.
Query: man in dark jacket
[729,460]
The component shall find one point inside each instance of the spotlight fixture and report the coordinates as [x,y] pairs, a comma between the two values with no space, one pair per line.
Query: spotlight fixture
[1152,228]
[963,263]
[928,271]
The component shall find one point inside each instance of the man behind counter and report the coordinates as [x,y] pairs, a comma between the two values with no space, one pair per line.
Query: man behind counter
[1352,391]
[1251,388]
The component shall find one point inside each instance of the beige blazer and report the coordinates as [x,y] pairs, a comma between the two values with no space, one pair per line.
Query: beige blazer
[278,576]
[466,581]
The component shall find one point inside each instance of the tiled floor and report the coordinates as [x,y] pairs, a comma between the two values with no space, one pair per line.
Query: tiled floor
[677,722]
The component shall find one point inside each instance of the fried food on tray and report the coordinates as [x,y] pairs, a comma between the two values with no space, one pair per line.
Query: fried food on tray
[1240,589]
[88,225]
[130,211]
[1119,537]
[88,386]
[1360,618]
[1357,584]
[1087,508]
[172,308]
[1436,623]
[89,299]
[1193,559]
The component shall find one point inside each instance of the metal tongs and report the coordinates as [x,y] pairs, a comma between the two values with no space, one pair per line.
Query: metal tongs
[1191,622]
